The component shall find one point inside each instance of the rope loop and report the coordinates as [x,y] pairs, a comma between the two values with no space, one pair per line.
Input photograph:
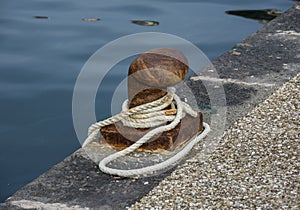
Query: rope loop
[145,116]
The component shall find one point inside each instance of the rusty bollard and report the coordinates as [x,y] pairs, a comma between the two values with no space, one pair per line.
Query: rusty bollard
[149,76]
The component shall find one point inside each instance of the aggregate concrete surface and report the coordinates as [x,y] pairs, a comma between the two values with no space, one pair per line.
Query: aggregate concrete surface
[249,73]
[256,165]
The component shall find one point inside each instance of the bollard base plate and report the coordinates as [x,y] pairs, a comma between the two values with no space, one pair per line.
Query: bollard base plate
[119,136]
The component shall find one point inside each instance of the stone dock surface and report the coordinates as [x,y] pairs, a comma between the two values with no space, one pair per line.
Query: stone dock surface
[254,165]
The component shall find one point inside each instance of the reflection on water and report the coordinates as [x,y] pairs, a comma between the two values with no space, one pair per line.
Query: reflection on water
[145,22]
[40,17]
[263,16]
[91,19]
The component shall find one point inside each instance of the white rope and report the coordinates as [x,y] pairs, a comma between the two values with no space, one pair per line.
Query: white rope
[145,116]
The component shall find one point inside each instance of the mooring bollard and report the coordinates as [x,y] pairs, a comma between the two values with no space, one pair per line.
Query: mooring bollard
[149,76]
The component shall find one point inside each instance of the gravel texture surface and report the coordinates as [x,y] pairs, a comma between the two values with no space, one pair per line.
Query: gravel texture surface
[256,164]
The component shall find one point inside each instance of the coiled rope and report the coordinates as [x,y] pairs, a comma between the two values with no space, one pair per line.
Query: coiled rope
[145,116]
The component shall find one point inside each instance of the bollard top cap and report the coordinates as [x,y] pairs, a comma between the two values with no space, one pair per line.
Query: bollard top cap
[159,67]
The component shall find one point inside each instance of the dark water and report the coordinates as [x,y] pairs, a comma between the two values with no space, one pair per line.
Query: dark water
[40,58]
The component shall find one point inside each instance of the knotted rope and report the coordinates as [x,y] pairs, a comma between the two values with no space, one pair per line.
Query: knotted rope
[145,116]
